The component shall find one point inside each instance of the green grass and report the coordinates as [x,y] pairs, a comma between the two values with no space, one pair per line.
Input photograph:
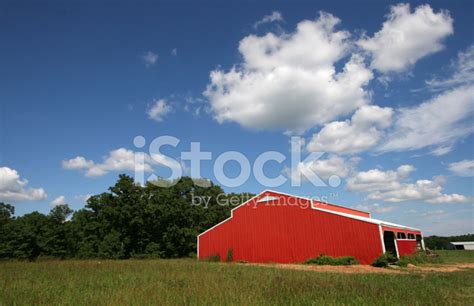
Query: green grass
[186,281]
[456,256]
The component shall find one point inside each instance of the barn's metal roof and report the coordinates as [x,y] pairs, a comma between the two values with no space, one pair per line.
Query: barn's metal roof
[463,243]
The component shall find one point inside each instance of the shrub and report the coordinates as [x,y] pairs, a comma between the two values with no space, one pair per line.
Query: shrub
[230,255]
[384,260]
[333,261]
[419,257]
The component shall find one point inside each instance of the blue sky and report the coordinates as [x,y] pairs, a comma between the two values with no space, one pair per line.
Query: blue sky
[384,89]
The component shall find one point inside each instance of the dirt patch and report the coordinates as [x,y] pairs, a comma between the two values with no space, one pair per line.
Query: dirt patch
[363,269]
[445,268]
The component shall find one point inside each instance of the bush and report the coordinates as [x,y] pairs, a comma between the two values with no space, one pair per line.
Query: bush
[419,257]
[333,261]
[230,255]
[384,260]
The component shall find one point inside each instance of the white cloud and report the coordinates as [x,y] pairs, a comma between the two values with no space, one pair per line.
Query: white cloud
[174,52]
[323,168]
[437,123]
[434,213]
[158,110]
[13,188]
[77,163]
[377,208]
[463,72]
[122,160]
[274,16]
[61,200]
[463,168]
[150,58]
[406,37]
[392,186]
[289,81]
[360,133]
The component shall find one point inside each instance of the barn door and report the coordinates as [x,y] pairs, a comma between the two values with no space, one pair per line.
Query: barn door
[389,241]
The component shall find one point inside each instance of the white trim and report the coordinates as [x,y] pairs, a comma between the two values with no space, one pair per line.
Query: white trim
[381,239]
[396,246]
[369,220]
[267,199]
[365,219]
[462,242]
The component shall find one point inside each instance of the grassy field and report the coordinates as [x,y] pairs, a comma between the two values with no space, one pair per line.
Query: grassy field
[457,256]
[186,281]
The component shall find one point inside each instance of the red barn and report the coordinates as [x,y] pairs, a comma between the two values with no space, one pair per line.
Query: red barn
[277,227]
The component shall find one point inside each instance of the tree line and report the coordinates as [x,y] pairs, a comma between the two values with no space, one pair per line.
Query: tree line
[127,221]
[441,243]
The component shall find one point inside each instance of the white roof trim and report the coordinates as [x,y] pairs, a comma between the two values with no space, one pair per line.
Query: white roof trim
[267,199]
[463,242]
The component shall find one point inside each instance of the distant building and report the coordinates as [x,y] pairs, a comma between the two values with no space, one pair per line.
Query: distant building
[463,245]
[278,227]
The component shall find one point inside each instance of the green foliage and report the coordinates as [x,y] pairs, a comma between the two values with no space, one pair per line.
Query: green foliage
[442,243]
[420,257]
[230,255]
[127,221]
[384,260]
[332,261]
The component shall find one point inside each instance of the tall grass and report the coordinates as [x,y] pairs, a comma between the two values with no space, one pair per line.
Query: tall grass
[185,281]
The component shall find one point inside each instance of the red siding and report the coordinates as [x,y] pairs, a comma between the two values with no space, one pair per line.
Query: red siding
[406,247]
[288,230]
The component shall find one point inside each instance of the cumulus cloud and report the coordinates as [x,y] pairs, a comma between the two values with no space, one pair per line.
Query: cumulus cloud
[121,160]
[273,17]
[462,72]
[463,167]
[61,200]
[158,110]
[363,131]
[77,163]
[13,188]
[377,208]
[150,58]
[289,81]
[393,186]
[437,123]
[407,36]
[316,169]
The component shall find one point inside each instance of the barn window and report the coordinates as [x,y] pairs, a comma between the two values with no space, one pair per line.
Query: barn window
[401,235]
[411,236]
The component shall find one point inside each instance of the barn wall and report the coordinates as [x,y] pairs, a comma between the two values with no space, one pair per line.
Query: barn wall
[404,246]
[288,231]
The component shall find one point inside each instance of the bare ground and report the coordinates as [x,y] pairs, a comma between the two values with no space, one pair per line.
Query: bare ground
[446,268]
